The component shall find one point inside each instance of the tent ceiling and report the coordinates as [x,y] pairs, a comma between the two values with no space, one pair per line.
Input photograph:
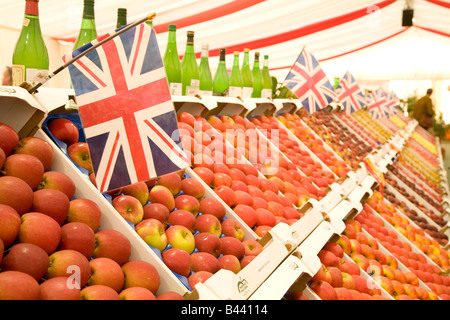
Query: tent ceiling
[343,35]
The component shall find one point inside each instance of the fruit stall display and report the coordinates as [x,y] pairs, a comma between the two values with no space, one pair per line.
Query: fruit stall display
[230,226]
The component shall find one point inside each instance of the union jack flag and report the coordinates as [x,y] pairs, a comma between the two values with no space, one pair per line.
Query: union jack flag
[350,94]
[377,104]
[126,109]
[309,82]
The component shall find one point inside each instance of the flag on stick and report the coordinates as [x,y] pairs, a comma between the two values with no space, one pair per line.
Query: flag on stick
[350,94]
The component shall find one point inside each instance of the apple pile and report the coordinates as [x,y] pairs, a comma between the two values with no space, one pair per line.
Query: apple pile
[51,245]
[188,230]
[374,126]
[305,134]
[360,130]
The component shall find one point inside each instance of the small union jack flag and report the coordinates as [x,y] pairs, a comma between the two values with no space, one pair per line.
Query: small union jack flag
[126,109]
[377,104]
[309,82]
[350,94]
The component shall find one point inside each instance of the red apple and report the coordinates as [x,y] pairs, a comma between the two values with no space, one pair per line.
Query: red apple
[10,226]
[230,262]
[204,261]
[411,278]
[156,211]
[336,277]
[247,214]
[322,275]
[252,247]
[37,147]
[344,243]
[172,181]
[199,277]
[107,272]
[360,284]
[64,130]
[212,206]
[334,248]
[208,223]
[231,245]
[193,188]
[232,228]
[380,256]
[140,273]
[77,236]
[51,202]
[58,289]
[153,233]
[264,218]
[347,281]
[41,230]
[206,174]
[112,244]
[328,258]
[188,203]
[136,293]
[324,290]
[355,247]
[183,218]
[226,194]
[99,292]
[169,295]
[16,285]
[27,258]
[79,153]
[384,283]
[343,294]
[9,138]
[139,190]
[208,242]
[361,261]
[59,181]
[69,263]
[26,167]
[129,207]
[246,260]
[177,260]
[85,211]
[180,237]
[16,193]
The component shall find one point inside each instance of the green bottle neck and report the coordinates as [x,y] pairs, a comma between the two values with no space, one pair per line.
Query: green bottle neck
[88,11]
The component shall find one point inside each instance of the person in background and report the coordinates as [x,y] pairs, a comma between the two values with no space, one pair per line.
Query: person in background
[7,77]
[424,110]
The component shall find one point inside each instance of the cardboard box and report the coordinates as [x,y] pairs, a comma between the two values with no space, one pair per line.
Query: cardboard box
[287,105]
[259,107]
[313,216]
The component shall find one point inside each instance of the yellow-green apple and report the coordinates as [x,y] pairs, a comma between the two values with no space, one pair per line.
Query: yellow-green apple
[226,194]
[361,261]
[69,263]
[10,226]
[59,181]
[344,243]
[172,181]
[391,261]
[347,281]
[199,277]
[349,231]
[411,291]
[139,190]
[204,261]
[77,236]
[41,230]
[212,206]
[16,285]
[183,218]
[231,245]
[26,167]
[136,293]
[324,290]
[411,278]
[98,292]
[79,154]
[230,262]
[335,248]
[208,223]
[129,207]
[232,228]
[322,275]
[112,244]
[16,193]
[9,139]
[247,214]
[58,289]
[180,237]
[177,260]
[107,272]
[64,130]
[188,203]
[384,283]
[139,273]
[51,202]
[193,188]
[86,211]
[27,258]
[265,218]
[206,174]
[252,247]
[208,242]
[343,293]
[380,256]
[152,232]
[355,247]
[156,211]
[336,276]
[246,260]
[360,284]
[243,197]
[398,288]
[328,258]
[367,251]
[161,194]
[169,295]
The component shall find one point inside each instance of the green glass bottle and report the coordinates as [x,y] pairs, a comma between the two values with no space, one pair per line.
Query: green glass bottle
[88,31]
[190,77]
[247,78]
[266,91]
[172,63]
[221,81]
[257,78]
[235,78]
[121,18]
[30,57]
[205,72]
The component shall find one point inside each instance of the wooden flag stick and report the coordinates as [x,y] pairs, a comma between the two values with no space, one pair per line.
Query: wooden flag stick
[26,85]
